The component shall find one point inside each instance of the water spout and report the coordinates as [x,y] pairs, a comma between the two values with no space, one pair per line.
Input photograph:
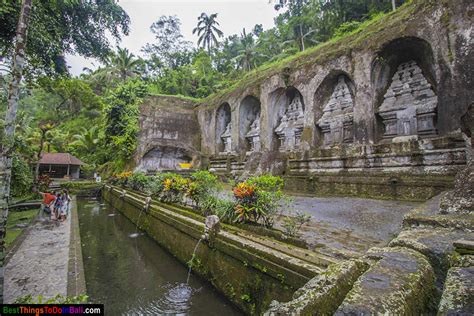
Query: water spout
[144,209]
[192,260]
[211,229]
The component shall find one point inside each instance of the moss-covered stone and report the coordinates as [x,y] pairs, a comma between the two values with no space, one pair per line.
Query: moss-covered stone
[400,283]
[435,243]
[323,294]
[458,294]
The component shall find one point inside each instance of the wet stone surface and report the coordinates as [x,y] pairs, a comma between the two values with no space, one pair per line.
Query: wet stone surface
[40,265]
[351,225]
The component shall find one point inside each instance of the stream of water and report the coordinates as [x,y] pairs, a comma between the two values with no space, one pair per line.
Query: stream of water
[134,276]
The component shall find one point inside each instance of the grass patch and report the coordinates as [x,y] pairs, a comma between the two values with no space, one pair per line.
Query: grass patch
[14,218]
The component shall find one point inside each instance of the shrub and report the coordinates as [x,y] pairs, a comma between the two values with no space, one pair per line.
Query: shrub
[121,179]
[139,181]
[258,199]
[175,187]
[293,224]
[43,183]
[155,186]
[203,186]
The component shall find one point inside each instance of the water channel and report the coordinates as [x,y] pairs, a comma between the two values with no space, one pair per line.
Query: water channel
[134,276]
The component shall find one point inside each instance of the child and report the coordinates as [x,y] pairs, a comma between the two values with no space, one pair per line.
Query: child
[57,206]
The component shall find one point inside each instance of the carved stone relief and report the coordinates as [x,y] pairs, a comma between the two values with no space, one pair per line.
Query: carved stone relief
[291,125]
[409,105]
[227,138]
[253,135]
[337,121]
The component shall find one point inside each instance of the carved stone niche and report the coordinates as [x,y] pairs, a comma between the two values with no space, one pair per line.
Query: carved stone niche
[337,121]
[253,135]
[291,125]
[409,105]
[227,138]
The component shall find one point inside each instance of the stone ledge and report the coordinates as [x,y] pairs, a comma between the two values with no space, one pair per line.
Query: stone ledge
[400,283]
[323,294]
[458,294]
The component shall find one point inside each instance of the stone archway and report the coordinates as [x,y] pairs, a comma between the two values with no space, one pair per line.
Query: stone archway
[223,129]
[163,158]
[249,124]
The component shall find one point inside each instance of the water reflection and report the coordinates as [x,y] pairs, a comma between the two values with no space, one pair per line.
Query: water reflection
[134,276]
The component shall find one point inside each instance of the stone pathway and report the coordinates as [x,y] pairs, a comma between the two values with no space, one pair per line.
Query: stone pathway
[40,264]
[351,225]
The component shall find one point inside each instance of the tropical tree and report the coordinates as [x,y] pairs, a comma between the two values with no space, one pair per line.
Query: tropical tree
[87,140]
[62,27]
[207,31]
[10,120]
[248,52]
[171,49]
[123,64]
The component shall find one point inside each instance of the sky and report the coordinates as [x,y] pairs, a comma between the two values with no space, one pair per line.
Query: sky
[233,15]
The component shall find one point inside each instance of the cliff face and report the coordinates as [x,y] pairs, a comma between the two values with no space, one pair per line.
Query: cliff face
[433,36]
[385,101]
[169,134]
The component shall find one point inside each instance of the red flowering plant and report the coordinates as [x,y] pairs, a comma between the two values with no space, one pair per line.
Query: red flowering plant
[258,199]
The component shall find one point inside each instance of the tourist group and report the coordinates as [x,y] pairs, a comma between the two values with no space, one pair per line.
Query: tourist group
[57,205]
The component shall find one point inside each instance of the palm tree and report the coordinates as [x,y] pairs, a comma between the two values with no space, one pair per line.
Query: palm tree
[207,30]
[122,64]
[248,53]
[87,140]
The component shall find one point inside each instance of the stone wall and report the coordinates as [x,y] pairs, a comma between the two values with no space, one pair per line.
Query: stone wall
[169,134]
[249,269]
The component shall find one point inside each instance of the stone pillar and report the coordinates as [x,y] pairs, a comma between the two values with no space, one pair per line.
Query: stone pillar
[364,113]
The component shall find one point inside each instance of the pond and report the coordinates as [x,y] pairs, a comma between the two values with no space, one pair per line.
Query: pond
[134,276]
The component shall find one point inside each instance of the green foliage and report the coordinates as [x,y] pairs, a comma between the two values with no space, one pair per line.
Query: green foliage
[54,31]
[258,199]
[202,187]
[43,183]
[22,177]
[347,28]
[139,181]
[58,299]
[121,125]
[77,186]
[293,223]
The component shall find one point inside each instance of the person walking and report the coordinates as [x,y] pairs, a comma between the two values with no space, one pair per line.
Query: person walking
[65,205]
